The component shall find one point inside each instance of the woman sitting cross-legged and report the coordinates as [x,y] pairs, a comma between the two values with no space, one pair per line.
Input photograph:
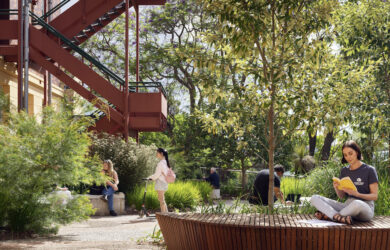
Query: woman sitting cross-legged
[360,203]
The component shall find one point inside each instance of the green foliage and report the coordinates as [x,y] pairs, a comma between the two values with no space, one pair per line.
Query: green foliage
[155,237]
[159,139]
[319,180]
[231,188]
[204,188]
[135,197]
[131,161]
[383,202]
[4,105]
[363,35]
[180,195]
[34,159]
[292,185]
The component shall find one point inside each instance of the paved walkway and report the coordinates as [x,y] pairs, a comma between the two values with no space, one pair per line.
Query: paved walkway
[121,232]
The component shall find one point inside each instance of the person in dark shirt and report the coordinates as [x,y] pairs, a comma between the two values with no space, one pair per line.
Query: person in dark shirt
[260,187]
[213,179]
[360,203]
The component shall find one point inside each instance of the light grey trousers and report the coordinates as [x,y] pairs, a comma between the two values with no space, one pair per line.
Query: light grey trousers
[358,209]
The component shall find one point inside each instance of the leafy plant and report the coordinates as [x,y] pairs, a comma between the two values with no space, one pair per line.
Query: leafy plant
[132,162]
[135,197]
[35,158]
[180,195]
[292,185]
[383,202]
[204,188]
[155,237]
[319,181]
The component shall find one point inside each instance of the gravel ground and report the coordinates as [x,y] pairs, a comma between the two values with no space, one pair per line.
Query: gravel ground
[121,232]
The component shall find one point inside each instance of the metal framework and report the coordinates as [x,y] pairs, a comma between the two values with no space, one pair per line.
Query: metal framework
[124,107]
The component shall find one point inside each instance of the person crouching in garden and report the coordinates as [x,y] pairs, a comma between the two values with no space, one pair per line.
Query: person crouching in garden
[161,185]
[360,203]
[111,185]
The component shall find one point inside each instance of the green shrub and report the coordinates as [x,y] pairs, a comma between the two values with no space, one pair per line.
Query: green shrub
[383,202]
[180,195]
[135,197]
[35,158]
[319,181]
[231,188]
[132,162]
[4,106]
[204,188]
[291,185]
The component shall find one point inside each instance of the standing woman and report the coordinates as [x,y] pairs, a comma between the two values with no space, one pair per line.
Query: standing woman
[161,185]
[111,185]
[359,204]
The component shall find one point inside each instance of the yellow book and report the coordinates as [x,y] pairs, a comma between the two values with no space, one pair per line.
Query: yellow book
[345,182]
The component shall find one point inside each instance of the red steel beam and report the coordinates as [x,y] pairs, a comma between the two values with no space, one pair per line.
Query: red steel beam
[9,29]
[81,15]
[85,12]
[62,76]
[50,48]
[19,56]
[8,50]
[126,87]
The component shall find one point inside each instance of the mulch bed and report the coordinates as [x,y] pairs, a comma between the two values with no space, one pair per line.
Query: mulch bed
[7,234]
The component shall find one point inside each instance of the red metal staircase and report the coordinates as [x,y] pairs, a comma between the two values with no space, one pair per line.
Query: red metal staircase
[54,47]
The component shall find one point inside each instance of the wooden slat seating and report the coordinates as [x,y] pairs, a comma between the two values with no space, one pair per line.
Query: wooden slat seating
[268,232]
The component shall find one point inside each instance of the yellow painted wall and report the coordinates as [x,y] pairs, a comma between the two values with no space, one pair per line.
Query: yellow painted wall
[9,84]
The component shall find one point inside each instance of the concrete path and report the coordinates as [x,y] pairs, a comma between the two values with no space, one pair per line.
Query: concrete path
[121,232]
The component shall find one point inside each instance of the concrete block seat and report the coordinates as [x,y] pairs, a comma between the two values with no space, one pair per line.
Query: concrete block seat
[102,206]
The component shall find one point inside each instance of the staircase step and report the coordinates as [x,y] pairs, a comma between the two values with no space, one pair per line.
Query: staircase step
[82,35]
[105,17]
[112,12]
[75,40]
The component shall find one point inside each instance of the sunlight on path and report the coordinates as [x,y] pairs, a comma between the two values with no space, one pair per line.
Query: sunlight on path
[121,232]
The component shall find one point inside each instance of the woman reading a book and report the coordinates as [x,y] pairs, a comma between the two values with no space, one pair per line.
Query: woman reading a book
[360,193]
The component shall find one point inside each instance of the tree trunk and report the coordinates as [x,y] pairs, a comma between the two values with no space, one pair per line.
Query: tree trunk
[325,151]
[312,143]
[192,93]
[389,156]
[243,174]
[271,149]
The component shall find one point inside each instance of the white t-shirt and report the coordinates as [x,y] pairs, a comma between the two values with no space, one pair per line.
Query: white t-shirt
[162,167]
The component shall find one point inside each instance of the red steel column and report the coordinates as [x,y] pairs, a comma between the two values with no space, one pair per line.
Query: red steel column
[20,54]
[137,57]
[45,75]
[137,44]
[126,87]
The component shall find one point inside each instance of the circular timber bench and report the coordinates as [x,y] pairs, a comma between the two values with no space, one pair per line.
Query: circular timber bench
[259,231]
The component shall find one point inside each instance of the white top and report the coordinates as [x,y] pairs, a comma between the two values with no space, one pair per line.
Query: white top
[161,168]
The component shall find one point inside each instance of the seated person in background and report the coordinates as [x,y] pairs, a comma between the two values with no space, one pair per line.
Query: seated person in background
[260,187]
[213,179]
[111,185]
[63,194]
